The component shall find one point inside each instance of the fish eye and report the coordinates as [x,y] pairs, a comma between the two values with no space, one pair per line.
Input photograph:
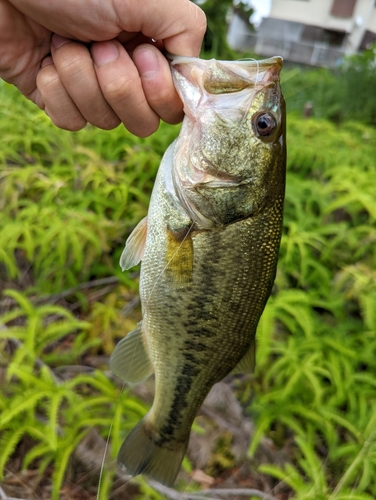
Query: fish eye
[265,124]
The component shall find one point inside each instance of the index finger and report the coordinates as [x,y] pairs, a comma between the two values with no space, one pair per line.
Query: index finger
[181,24]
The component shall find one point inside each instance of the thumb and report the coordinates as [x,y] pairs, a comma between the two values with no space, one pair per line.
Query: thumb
[180,24]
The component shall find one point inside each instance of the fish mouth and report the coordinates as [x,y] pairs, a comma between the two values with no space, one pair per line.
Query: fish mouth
[262,64]
[222,77]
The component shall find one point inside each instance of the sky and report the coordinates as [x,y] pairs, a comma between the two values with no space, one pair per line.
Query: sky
[262,8]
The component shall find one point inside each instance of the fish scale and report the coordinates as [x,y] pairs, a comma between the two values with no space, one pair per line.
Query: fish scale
[209,249]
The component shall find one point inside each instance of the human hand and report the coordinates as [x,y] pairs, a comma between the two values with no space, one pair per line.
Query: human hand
[104,68]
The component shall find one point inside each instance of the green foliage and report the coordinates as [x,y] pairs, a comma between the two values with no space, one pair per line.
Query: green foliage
[245,10]
[359,74]
[68,203]
[215,44]
[57,414]
[344,94]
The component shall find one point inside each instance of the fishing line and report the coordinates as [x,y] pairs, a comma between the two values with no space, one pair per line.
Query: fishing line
[257,63]
[111,426]
[107,444]
[171,259]
[258,71]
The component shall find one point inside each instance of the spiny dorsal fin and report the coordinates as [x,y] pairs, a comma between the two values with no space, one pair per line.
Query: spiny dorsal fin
[248,362]
[135,246]
[130,360]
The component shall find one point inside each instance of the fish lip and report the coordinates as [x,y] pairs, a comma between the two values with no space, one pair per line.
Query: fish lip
[212,77]
[222,181]
[262,63]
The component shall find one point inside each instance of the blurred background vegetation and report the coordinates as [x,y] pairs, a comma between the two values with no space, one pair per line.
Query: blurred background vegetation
[304,425]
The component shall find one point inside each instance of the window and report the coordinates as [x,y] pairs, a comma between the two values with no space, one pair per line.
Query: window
[369,38]
[343,8]
[317,34]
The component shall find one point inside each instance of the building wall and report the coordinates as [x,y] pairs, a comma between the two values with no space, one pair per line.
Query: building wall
[238,35]
[363,15]
[318,13]
[305,31]
[285,38]
[314,12]
[372,20]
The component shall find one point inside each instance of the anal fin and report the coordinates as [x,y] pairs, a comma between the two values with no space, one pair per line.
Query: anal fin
[130,360]
[248,362]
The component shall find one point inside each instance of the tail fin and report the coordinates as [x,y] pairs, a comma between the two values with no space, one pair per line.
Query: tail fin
[140,454]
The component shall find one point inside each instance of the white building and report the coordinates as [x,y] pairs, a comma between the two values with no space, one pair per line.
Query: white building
[316,32]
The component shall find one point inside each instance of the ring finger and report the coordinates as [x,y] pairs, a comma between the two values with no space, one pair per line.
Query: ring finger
[75,68]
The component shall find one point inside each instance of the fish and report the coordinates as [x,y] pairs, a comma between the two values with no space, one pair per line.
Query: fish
[208,250]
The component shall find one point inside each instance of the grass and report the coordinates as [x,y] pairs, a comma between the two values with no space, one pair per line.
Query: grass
[68,202]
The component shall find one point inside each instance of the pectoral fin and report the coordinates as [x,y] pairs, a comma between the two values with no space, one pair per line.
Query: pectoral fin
[135,246]
[248,362]
[130,360]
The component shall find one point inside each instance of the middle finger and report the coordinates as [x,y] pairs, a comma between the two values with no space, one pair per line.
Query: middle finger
[122,88]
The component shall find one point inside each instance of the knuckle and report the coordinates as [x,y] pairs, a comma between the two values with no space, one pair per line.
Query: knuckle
[71,66]
[200,21]
[77,125]
[48,80]
[165,102]
[144,123]
[161,99]
[174,119]
[118,89]
[72,123]
[107,122]
[147,130]
[73,126]
[161,93]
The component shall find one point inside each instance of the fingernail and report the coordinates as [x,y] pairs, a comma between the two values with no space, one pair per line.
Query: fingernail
[58,41]
[147,62]
[104,53]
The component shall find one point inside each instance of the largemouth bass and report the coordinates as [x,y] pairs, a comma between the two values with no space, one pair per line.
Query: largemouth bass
[209,249]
